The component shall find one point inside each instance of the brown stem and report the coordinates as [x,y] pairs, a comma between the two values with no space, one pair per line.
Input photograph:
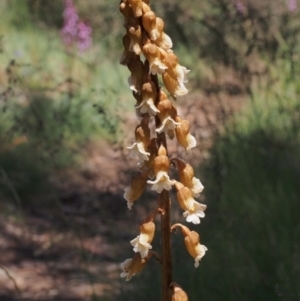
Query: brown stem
[165,206]
[166,245]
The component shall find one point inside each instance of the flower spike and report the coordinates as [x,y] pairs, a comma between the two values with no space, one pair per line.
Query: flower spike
[148,55]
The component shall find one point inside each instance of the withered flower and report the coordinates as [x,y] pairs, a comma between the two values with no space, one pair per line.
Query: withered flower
[134,265]
[126,54]
[136,67]
[136,188]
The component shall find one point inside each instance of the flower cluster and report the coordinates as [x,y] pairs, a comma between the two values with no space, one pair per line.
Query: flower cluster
[145,38]
[75,31]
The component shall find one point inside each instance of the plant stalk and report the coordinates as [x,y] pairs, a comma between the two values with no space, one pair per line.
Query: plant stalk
[165,205]
[166,246]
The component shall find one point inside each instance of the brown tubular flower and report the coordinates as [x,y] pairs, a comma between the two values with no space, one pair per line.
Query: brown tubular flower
[161,166]
[155,56]
[186,175]
[175,75]
[149,23]
[136,188]
[164,41]
[142,138]
[193,209]
[154,27]
[178,293]
[192,243]
[167,114]
[147,106]
[142,243]
[183,135]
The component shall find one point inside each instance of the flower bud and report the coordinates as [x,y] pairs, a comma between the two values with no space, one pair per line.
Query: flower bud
[178,293]
[136,189]
[183,135]
[161,162]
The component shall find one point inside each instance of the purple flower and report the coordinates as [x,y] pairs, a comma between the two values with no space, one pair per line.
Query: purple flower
[74,30]
[240,7]
[69,30]
[84,39]
[292,5]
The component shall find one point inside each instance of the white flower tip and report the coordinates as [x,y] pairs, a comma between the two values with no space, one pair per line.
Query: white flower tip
[123,274]
[191,142]
[129,205]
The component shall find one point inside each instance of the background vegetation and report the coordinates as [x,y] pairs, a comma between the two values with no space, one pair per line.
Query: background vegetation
[56,101]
